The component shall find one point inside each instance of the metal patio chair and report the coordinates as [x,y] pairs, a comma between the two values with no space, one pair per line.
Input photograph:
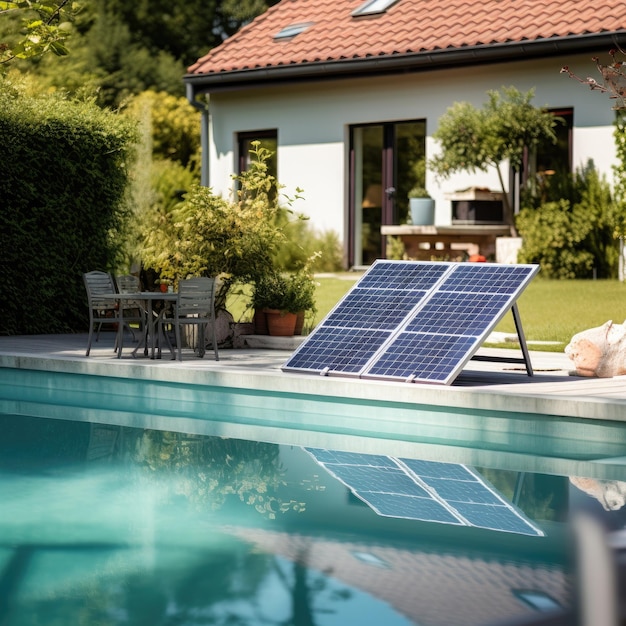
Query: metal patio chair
[131,311]
[194,306]
[101,311]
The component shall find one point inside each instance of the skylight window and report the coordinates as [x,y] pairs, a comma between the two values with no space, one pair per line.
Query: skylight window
[372,7]
[292,30]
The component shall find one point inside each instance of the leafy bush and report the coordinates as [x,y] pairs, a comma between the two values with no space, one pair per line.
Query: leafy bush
[174,126]
[207,235]
[553,236]
[573,237]
[330,248]
[65,170]
[304,242]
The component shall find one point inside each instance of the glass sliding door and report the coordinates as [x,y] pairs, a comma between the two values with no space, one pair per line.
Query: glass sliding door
[386,160]
[367,144]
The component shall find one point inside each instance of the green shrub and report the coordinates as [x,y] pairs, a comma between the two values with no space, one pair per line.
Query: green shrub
[553,236]
[396,249]
[174,126]
[65,170]
[304,242]
[207,235]
[573,237]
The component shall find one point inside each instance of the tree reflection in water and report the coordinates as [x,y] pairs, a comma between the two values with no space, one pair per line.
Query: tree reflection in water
[206,470]
[224,587]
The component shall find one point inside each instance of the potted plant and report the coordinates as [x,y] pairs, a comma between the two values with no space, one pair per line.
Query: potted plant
[422,206]
[301,291]
[266,292]
[282,298]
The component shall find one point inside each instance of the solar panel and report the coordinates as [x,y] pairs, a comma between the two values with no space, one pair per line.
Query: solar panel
[412,320]
[427,491]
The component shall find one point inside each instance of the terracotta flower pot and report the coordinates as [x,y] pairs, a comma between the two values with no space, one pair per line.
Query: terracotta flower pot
[260,322]
[280,323]
[299,323]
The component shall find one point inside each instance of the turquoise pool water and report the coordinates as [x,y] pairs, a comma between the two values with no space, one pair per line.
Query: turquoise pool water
[110,525]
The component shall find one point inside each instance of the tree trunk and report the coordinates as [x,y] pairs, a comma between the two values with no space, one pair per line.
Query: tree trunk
[507,209]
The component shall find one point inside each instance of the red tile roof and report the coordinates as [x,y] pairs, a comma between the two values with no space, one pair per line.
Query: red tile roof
[407,28]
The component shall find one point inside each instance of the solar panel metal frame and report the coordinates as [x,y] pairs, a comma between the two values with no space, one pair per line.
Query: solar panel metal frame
[371,332]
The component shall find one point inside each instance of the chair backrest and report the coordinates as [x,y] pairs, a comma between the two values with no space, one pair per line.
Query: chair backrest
[98,283]
[196,296]
[128,283]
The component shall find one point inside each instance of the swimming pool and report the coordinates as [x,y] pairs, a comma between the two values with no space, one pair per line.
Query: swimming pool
[110,524]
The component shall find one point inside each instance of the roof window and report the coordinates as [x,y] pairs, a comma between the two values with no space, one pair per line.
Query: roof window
[292,30]
[371,7]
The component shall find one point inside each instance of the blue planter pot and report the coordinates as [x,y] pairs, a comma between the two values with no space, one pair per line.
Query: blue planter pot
[422,211]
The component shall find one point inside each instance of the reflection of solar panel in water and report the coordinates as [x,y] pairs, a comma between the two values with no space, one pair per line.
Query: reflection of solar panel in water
[412,320]
[428,491]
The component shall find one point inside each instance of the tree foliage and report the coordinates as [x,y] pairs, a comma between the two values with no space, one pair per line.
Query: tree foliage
[185,30]
[474,139]
[119,49]
[37,28]
[619,172]
[612,78]
[174,126]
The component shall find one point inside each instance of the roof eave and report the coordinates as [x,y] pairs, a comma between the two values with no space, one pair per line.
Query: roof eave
[252,78]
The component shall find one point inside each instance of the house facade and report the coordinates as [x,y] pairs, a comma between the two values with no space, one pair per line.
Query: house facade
[349,93]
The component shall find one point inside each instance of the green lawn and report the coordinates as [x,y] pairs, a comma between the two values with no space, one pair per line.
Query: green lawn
[555,310]
[551,310]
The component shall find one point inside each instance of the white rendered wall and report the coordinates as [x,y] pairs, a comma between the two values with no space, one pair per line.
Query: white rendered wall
[313,123]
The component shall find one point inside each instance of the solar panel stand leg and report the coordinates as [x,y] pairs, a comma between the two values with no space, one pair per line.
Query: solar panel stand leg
[522,339]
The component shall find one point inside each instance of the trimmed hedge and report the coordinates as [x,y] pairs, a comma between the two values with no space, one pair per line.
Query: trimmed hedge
[65,172]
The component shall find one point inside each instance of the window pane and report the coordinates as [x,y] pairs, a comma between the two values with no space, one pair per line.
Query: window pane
[368,150]
[267,139]
[373,6]
[410,164]
[556,157]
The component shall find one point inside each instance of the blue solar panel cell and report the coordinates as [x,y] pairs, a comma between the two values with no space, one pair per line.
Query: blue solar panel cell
[339,350]
[421,356]
[338,457]
[365,478]
[374,308]
[435,469]
[492,517]
[487,278]
[455,491]
[403,276]
[446,313]
[410,507]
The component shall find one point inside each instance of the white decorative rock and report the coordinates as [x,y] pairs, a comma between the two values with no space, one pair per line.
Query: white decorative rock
[600,351]
[611,494]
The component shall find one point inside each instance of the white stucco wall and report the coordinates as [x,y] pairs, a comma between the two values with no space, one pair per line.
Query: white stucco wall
[313,120]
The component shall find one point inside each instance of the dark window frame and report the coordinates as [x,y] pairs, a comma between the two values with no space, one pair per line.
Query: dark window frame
[244,139]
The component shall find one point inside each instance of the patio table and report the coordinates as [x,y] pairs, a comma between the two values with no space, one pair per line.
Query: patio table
[146,298]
